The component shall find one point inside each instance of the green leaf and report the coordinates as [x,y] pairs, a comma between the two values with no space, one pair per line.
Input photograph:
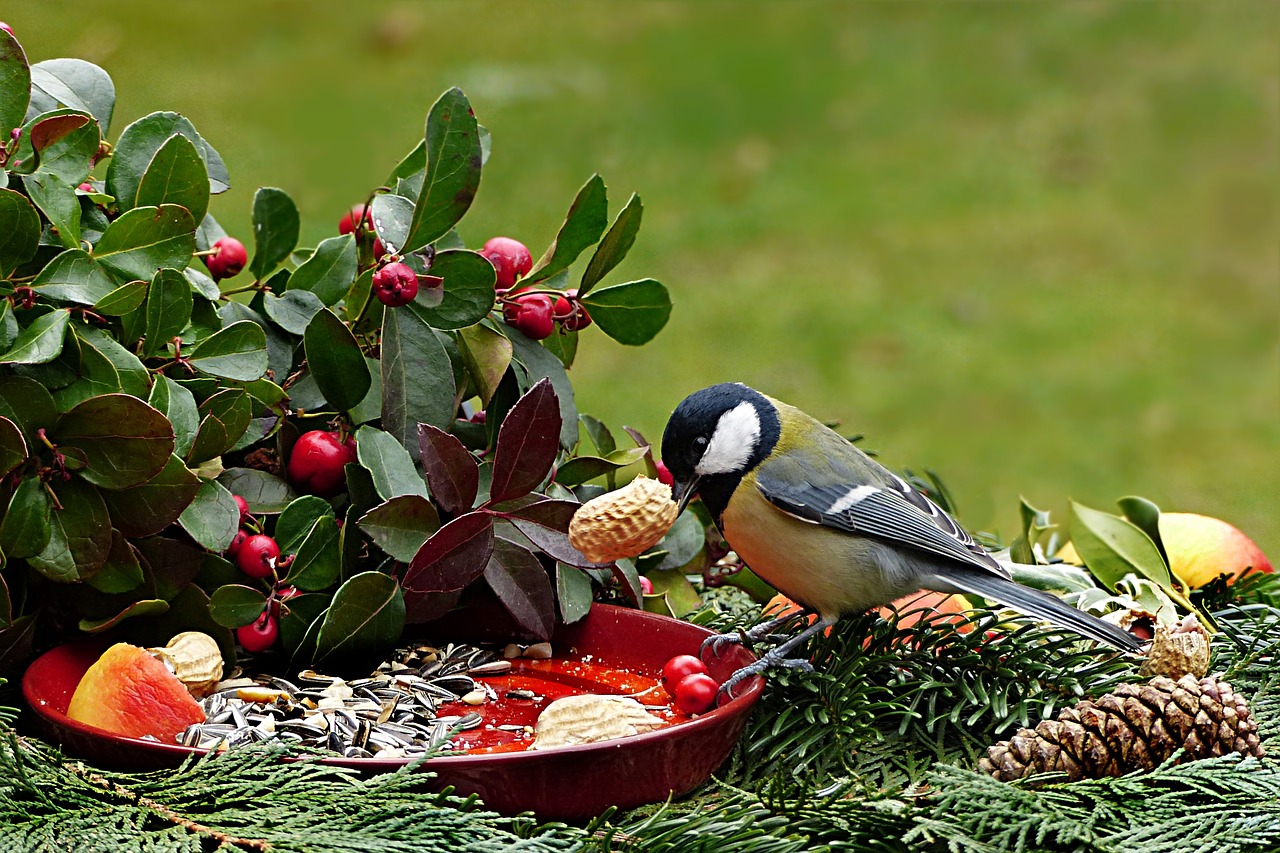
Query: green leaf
[137,147]
[573,589]
[95,373]
[279,344]
[19,230]
[265,493]
[121,300]
[468,290]
[13,447]
[392,215]
[370,408]
[176,175]
[389,463]
[582,227]
[125,442]
[417,377]
[121,572]
[134,377]
[580,469]
[453,170]
[234,605]
[201,283]
[145,239]
[61,143]
[146,607]
[297,519]
[365,619]
[8,325]
[318,561]
[212,518]
[682,543]
[487,355]
[224,417]
[330,270]
[26,528]
[147,509]
[73,276]
[336,361]
[1145,515]
[1112,547]
[293,311]
[27,403]
[401,525]
[73,83]
[674,594]
[538,363]
[60,204]
[238,352]
[79,534]
[41,342]
[275,229]
[15,84]
[615,245]
[169,306]
[630,313]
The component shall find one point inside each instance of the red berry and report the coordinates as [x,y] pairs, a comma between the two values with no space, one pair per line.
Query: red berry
[646,585]
[228,259]
[531,313]
[243,506]
[664,475]
[259,635]
[257,556]
[236,541]
[395,285]
[316,463]
[509,257]
[680,666]
[85,187]
[571,312]
[696,693]
[347,224]
[563,308]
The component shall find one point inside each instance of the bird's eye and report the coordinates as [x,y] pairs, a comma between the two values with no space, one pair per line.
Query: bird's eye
[701,442]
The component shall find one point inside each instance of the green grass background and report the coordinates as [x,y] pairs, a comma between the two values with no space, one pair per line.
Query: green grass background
[1031,246]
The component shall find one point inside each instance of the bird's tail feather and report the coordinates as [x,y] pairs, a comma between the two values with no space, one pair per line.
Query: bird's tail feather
[1033,602]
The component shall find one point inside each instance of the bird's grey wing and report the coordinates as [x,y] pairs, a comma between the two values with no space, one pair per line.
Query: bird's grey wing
[890,510]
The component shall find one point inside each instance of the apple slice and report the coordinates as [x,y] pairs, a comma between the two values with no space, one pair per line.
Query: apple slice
[128,692]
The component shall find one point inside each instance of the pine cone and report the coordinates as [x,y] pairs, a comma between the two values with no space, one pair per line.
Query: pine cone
[1136,727]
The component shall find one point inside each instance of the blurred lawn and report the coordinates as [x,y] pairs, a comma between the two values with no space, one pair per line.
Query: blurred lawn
[1031,246]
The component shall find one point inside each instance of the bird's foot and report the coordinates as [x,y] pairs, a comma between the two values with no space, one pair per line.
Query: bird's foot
[776,658]
[716,642]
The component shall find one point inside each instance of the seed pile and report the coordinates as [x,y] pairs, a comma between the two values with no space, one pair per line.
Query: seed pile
[390,714]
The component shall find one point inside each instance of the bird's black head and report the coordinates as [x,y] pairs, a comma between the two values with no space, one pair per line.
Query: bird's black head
[714,437]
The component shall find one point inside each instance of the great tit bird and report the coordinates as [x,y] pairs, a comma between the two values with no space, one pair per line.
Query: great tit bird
[827,525]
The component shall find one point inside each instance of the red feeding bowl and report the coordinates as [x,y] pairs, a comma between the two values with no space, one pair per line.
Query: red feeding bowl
[565,783]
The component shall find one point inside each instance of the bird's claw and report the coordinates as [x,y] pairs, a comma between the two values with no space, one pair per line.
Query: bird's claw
[716,642]
[758,667]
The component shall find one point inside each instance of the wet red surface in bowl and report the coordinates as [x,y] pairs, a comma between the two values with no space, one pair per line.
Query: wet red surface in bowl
[566,783]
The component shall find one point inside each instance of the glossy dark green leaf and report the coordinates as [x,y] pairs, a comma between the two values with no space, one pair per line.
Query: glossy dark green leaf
[336,360]
[294,311]
[201,283]
[614,246]
[682,543]
[401,525]
[212,518]
[16,643]
[121,572]
[486,355]
[176,175]
[61,143]
[392,216]
[580,469]
[631,313]
[25,530]
[95,376]
[317,564]
[125,441]
[13,447]
[329,272]
[41,342]
[60,204]
[146,239]
[538,364]
[27,403]
[573,591]
[235,605]
[453,557]
[8,325]
[15,84]
[468,290]
[265,493]
[79,534]
[146,607]
[147,509]
[453,170]
[297,519]
[238,352]
[73,276]
[275,229]
[296,617]
[527,444]
[178,405]
[452,472]
[224,417]
[673,594]
[134,377]
[389,463]
[19,231]
[601,438]
[1113,547]
[563,345]
[582,227]
[121,300]
[417,378]
[169,306]
[520,582]
[73,83]
[279,344]
[370,408]
[137,147]
[365,619]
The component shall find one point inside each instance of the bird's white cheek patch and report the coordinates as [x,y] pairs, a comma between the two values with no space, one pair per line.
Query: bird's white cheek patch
[732,443]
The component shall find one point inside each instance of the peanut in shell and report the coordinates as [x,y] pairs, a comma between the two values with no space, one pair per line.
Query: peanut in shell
[624,522]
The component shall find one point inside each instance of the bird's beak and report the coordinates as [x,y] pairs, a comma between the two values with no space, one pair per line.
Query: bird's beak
[683,492]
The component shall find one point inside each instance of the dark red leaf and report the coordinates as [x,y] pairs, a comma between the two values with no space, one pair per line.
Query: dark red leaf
[453,557]
[45,133]
[554,543]
[429,606]
[555,514]
[518,579]
[452,473]
[527,443]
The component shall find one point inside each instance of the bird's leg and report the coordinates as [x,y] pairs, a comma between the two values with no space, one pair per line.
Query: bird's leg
[718,641]
[777,657]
